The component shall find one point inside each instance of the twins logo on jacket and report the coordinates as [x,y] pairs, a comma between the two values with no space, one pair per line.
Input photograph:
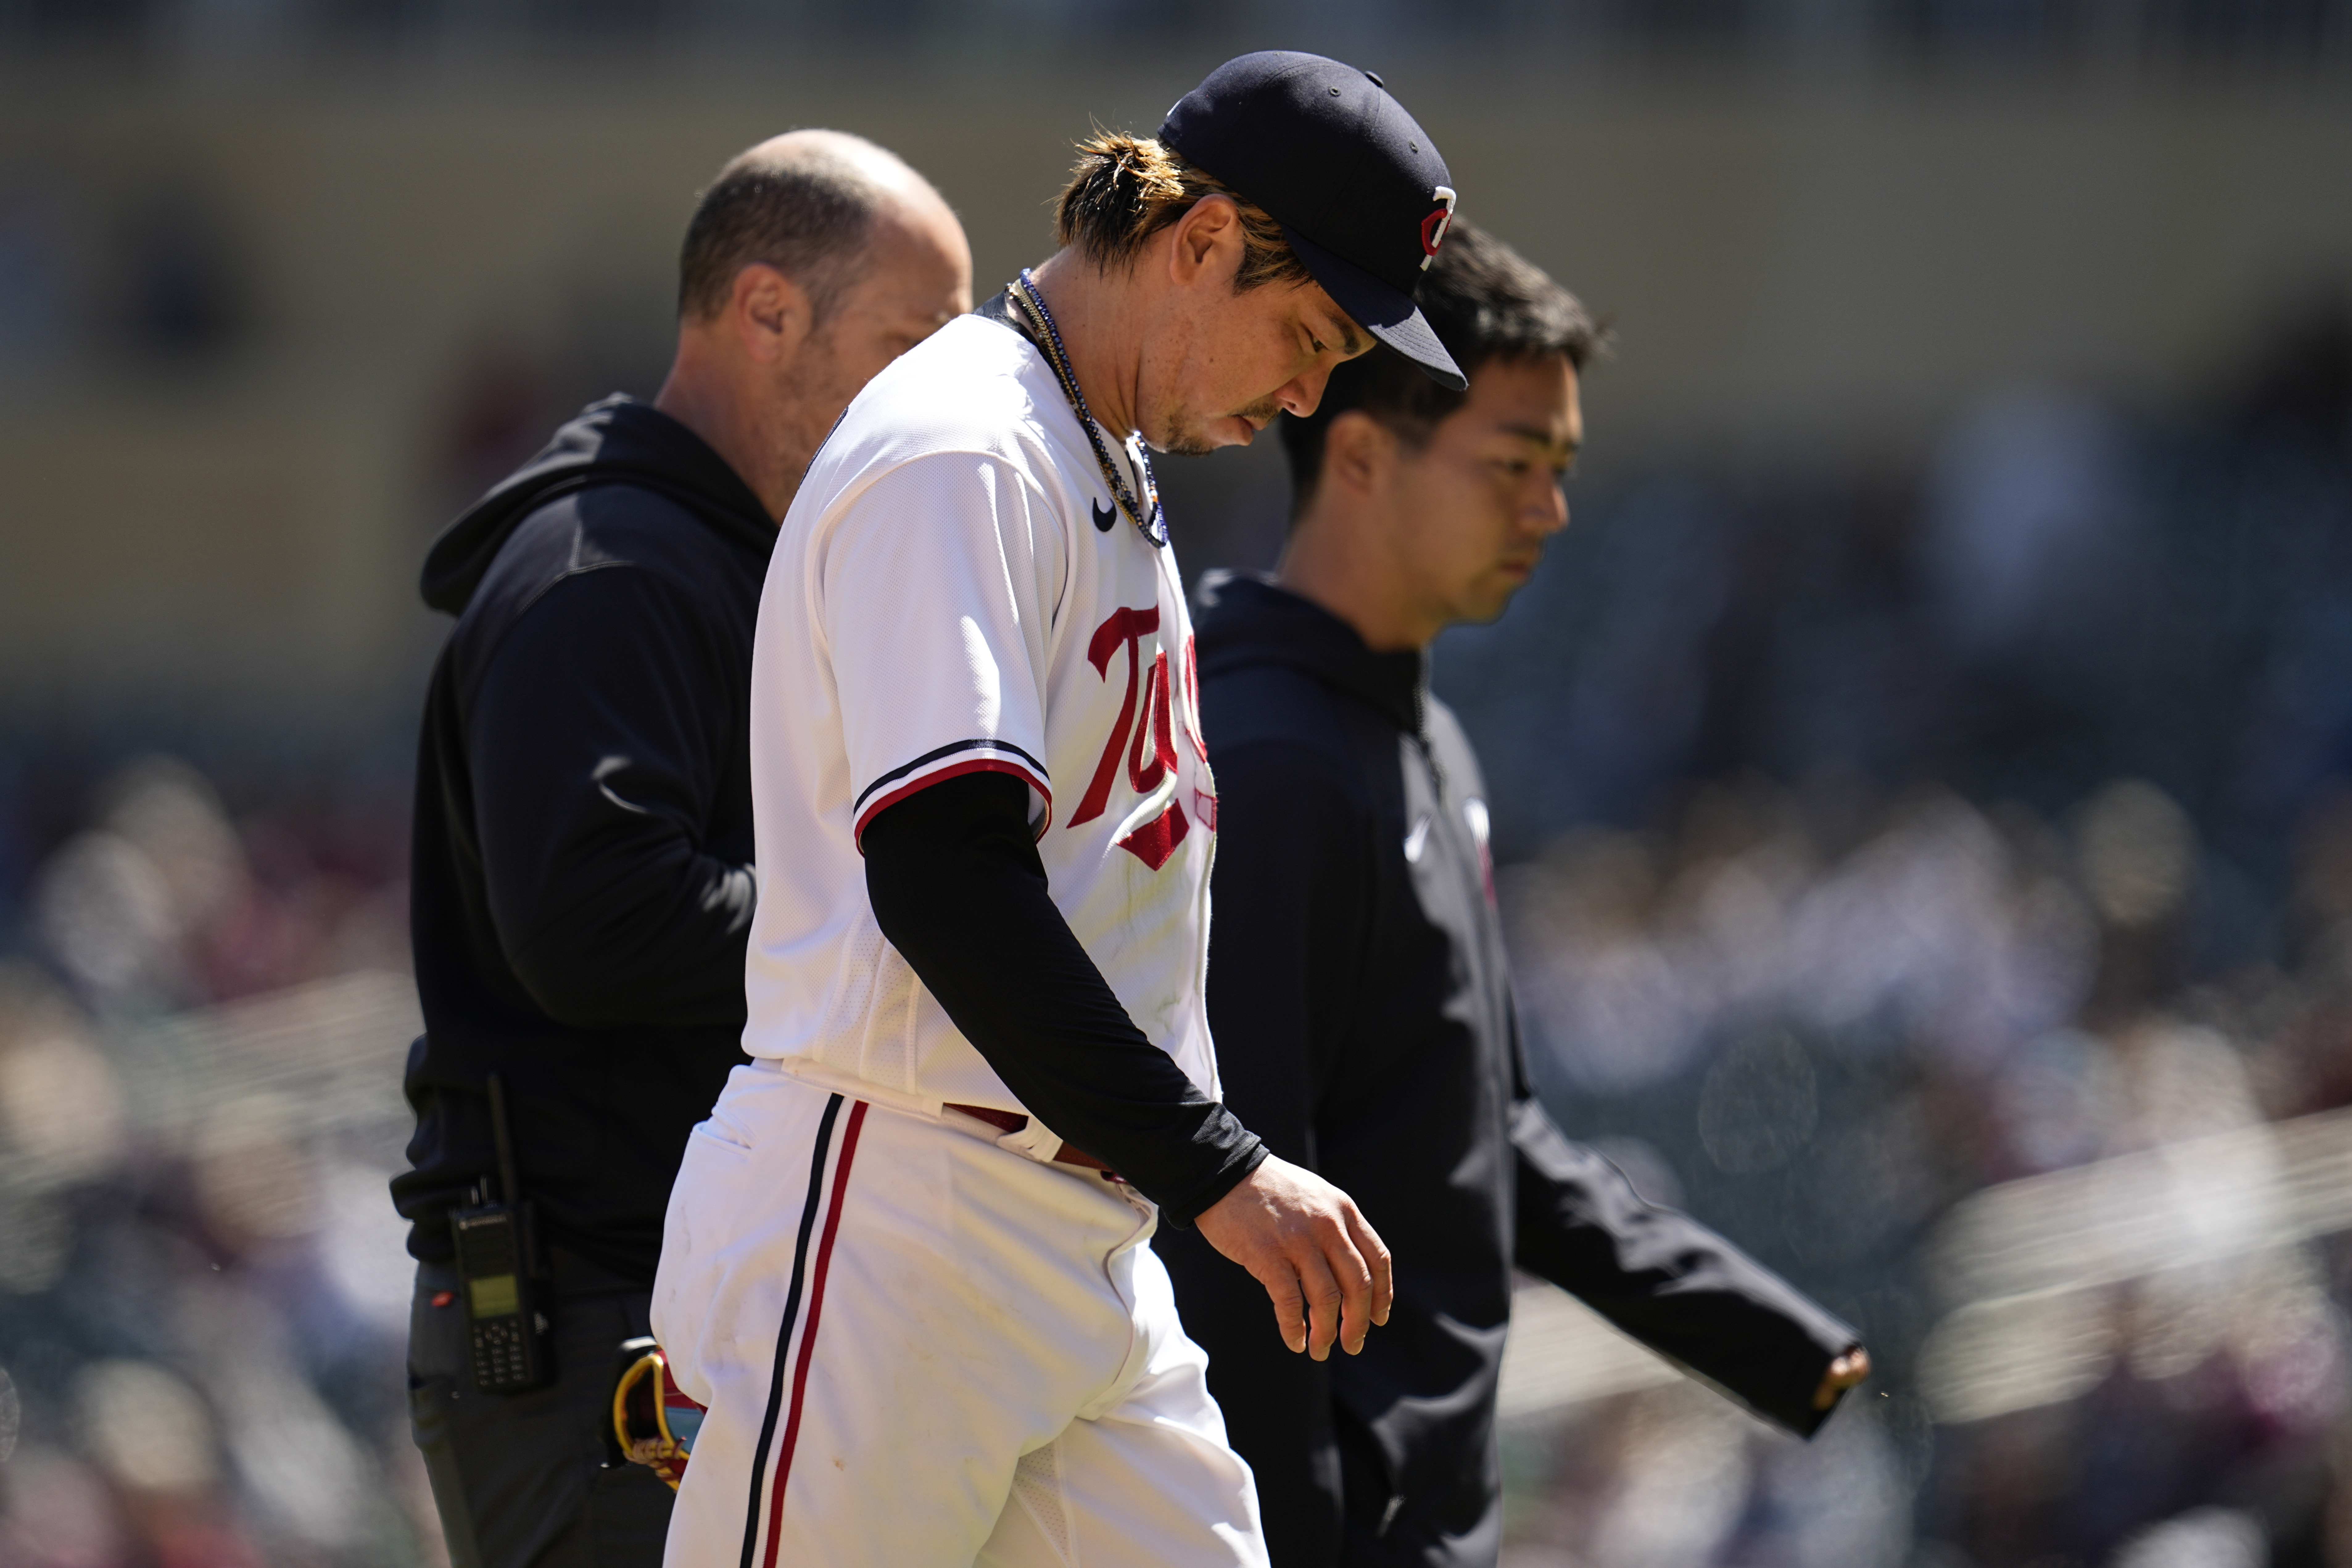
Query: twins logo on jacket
[941,602]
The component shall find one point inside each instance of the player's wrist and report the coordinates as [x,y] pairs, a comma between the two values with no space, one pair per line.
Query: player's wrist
[1247,1154]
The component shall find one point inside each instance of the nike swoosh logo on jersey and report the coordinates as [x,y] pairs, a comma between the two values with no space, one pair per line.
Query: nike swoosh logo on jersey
[1104,516]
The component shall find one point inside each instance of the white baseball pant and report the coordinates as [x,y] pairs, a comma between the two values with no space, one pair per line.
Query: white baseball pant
[924,1350]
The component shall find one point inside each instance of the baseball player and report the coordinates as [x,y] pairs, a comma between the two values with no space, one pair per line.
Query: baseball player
[905,1263]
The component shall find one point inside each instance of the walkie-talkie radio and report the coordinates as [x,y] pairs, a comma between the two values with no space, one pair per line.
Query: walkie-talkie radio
[495,1259]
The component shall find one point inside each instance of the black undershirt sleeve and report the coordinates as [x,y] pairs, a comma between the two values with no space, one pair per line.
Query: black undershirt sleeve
[957,887]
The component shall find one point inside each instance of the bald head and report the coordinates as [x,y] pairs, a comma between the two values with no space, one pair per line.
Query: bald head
[812,262]
[808,204]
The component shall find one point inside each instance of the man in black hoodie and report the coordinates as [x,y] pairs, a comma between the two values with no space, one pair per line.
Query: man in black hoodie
[1357,983]
[581,882]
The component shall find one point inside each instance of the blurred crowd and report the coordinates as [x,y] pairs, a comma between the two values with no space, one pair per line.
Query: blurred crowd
[1879,848]
[203,1011]
[1824,1051]
[143,893]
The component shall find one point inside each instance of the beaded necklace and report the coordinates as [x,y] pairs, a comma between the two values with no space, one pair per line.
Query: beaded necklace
[1032,305]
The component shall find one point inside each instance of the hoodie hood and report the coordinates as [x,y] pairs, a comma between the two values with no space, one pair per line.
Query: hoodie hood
[619,441]
[1246,619]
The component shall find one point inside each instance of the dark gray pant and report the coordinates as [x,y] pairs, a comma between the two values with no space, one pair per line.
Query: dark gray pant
[521,1479]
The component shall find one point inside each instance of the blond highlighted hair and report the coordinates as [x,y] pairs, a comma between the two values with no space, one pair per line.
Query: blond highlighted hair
[1125,189]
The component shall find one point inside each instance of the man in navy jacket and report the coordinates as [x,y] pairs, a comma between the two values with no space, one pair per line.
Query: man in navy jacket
[1357,983]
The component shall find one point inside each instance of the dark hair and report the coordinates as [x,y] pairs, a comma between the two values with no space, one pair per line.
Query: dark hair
[1125,189]
[807,211]
[1486,301]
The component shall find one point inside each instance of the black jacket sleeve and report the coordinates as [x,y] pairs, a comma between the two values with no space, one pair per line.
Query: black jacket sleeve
[1286,950]
[1667,1279]
[595,752]
[957,886]
[1293,892]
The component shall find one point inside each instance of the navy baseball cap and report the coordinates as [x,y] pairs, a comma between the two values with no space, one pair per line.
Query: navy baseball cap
[1358,188]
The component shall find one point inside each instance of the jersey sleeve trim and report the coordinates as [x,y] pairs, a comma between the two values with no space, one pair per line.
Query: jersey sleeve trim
[954,760]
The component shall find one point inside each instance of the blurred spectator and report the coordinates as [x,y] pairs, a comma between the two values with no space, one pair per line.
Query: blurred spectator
[34,270]
[2030,525]
[180,287]
[498,413]
[163,901]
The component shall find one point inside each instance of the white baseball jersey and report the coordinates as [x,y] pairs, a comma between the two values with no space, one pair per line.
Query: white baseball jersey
[953,591]
[923,1344]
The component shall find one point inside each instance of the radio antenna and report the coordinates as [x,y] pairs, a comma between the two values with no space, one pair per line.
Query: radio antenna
[509,1185]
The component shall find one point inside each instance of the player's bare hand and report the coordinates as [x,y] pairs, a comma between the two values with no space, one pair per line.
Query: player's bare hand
[1845,1372]
[1319,1259]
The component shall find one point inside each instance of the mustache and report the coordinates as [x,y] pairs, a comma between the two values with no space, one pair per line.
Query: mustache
[1185,440]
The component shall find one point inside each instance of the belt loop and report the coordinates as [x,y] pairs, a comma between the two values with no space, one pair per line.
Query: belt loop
[1036,1140]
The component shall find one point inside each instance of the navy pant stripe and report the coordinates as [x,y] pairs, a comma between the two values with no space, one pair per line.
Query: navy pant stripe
[785,1334]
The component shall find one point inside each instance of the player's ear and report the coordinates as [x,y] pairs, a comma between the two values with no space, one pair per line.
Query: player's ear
[1360,453]
[769,313]
[1208,241]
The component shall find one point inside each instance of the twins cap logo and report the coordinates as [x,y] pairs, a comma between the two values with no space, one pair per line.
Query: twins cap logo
[1433,227]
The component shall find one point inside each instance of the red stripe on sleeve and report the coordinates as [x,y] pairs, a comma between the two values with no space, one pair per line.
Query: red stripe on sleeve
[956,771]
